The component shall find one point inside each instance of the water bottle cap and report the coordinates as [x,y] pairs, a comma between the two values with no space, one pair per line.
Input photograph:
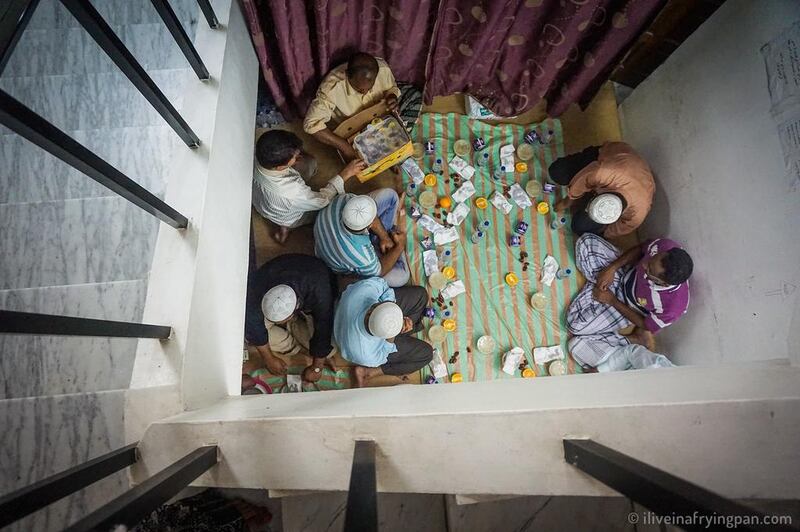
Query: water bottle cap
[567,270]
[486,223]
[502,168]
[447,252]
[485,155]
[438,160]
[412,185]
[480,233]
[563,220]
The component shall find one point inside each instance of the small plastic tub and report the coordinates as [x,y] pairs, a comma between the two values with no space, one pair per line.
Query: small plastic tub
[437,280]
[437,334]
[486,345]
[427,199]
[539,301]
[461,148]
[533,188]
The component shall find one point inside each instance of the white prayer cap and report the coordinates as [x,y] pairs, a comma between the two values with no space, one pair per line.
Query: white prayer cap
[279,303]
[605,208]
[358,213]
[386,320]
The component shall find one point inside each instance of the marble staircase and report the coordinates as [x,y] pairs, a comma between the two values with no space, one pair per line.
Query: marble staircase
[72,247]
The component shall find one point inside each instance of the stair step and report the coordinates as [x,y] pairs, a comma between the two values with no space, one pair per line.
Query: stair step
[55,365]
[42,436]
[93,101]
[73,51]
[30,174]
[50,14]
[81,241]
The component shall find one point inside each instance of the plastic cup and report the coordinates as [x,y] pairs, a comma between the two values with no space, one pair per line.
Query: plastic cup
[539,301]
[461,147]
[427,199]
[430,180]
[525,152]
[533,188]
[456,377]
[557,367]
[486,345]
[528,373]
[449,325]
[437,280]
[449,272]
[542,207]
[419,151]
[521,168]
[437,334]
[512,279]
[481,202]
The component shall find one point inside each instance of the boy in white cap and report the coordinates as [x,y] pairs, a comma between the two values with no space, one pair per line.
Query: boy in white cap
[290,303]
[357,235]
[610,189]
[372,328]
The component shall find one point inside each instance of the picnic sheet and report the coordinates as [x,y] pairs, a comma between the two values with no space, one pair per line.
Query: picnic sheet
[490,306]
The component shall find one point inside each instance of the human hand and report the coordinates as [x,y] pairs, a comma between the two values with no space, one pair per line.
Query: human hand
[562,205]
[312,373]
[386,244]
[347,151]
[603,296]
[352,168]
[605,278]
[275,365]
[407,325]
[399,238]
[391,101]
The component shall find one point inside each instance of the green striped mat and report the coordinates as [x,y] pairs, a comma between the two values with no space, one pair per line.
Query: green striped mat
[490,306]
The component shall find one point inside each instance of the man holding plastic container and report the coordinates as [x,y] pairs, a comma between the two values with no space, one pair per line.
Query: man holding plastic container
[610,189]
[372,328]
[348,89]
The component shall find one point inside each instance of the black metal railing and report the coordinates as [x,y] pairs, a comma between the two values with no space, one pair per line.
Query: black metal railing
[14,18]
[129,508]
[663,494]
[361,514]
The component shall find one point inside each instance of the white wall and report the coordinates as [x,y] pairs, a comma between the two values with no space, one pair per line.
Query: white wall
[733,429]
[198,280]
[702,121]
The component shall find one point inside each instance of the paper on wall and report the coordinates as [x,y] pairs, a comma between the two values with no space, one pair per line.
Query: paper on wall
[453,289]
[507,157]
[462,167]
[543,355]
[430,261]
[512,359]
[412,169]
[464,192]
[429,224]
[500,201]
[437,365]
[549,269]
[520,197]
[458,214]
[445,236]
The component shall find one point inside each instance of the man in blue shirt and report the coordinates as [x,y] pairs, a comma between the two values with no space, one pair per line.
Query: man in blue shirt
[372,327]
[342,237]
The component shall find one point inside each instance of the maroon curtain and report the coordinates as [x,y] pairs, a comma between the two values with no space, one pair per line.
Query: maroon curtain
[304,40]
[508,54]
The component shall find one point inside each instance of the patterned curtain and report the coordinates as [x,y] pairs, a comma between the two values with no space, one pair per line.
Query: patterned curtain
[507,53]
[302,40]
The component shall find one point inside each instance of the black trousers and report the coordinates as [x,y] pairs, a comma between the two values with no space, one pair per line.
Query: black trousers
[562,170]
[411,353]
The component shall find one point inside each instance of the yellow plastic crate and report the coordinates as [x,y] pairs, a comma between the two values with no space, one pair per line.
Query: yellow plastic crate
[383,143]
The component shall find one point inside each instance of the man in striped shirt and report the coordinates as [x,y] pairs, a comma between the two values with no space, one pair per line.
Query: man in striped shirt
[351,236]
[280,193]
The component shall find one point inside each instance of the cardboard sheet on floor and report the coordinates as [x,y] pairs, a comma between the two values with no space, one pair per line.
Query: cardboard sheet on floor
[490,306]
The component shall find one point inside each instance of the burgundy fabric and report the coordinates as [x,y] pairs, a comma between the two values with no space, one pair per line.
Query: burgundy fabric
[508,54]
[304,40]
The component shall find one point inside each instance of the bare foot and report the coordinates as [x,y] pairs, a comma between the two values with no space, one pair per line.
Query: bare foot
[281,235]
[360,373]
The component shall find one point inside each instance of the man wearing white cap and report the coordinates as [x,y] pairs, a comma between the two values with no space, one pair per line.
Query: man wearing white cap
[610,189]
[372,328]
[357,235]
[290,304]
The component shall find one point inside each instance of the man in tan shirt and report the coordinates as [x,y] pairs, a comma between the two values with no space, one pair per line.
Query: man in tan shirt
[612,169]
[347,89]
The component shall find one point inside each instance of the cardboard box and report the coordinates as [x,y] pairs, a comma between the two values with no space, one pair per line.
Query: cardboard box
[357,125]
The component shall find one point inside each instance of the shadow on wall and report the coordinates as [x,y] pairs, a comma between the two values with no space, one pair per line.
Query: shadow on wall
[658,220]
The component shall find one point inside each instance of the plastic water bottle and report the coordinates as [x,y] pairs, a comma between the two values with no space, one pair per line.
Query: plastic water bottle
[500,173]
[482,159]
[563,272]
[558,222]
[446,256]
[437,166]
[545,139]
[411,189]
[477,236]
[485,225]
